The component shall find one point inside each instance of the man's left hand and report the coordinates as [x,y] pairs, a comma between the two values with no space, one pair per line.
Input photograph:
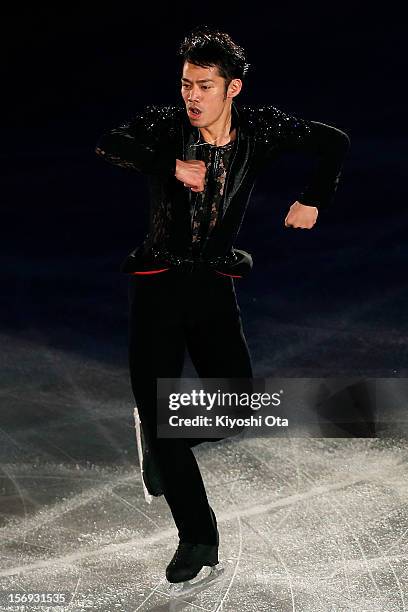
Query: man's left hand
[301,215]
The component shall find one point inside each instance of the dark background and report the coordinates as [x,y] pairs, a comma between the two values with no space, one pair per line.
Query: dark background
[325,301]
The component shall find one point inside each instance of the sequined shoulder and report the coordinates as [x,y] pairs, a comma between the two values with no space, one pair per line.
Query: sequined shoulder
[269,123]
[155,118]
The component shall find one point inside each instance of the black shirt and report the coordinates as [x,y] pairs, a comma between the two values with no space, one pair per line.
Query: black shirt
[180,219]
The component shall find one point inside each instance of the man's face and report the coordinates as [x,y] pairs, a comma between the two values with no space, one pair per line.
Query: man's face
[203,89]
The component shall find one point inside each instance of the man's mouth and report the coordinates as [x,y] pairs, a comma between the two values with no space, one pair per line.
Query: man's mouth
[194,112]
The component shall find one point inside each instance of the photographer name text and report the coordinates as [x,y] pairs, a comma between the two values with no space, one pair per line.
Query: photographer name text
[228,422]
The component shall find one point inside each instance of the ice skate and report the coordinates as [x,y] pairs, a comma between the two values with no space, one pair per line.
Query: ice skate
[148,469]
[204,579]
[190,558]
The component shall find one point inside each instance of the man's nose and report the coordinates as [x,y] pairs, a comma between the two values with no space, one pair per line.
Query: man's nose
[194,94]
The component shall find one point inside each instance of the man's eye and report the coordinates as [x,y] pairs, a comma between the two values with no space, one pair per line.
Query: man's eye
[205,87]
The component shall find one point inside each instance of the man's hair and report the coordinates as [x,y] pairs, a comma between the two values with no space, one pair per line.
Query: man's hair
[207,46]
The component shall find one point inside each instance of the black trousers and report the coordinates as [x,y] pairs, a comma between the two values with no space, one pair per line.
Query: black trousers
[169,313]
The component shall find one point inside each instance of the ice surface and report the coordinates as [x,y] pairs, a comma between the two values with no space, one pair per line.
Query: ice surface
[306,524]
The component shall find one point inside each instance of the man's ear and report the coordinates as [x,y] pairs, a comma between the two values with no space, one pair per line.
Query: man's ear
[234,88]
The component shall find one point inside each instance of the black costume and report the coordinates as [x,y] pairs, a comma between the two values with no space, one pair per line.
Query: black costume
[191,302]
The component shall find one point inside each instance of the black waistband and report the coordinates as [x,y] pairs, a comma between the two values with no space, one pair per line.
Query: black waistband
[165,256]
[236,263]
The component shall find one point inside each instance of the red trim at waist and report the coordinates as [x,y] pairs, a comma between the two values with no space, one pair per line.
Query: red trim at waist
[232,275]
[151,271]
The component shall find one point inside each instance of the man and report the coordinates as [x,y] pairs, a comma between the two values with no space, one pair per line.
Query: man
[202,159]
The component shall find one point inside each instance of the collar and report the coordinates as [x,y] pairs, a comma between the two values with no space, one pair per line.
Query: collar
[236,121]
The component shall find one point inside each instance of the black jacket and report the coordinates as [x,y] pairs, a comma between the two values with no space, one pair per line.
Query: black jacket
[152,141]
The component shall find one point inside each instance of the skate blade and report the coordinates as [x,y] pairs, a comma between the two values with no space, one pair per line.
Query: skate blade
[205,578]
[146,493]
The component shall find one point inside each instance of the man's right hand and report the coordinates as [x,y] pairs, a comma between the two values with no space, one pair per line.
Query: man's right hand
[191,173]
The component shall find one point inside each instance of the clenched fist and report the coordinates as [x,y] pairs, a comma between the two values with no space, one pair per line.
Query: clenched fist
[191,173]
[301,215]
